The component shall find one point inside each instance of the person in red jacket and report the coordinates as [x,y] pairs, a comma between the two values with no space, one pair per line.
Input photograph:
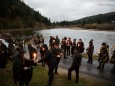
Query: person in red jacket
[69,44]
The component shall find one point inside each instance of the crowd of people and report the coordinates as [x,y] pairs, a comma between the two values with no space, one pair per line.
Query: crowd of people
[50,54]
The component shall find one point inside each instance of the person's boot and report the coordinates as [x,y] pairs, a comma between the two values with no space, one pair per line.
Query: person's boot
[76,81]
[99,67]
[69,78]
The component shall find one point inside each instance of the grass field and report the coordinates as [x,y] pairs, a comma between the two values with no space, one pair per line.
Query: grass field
[40,77]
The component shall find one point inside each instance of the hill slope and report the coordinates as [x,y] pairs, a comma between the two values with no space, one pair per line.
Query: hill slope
[16,14]
[101,21]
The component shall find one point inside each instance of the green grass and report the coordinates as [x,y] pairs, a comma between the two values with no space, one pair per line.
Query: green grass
[40,77]
[95,57]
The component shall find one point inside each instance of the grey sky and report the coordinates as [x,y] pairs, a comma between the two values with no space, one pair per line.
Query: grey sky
[59,10]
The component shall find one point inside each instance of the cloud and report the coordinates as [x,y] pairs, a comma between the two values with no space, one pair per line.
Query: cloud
[58,10]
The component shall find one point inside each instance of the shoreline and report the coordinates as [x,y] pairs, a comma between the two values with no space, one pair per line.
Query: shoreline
[71,28]
[79,28]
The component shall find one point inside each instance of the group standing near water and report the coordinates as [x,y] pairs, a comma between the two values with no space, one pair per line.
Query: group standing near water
[51,55]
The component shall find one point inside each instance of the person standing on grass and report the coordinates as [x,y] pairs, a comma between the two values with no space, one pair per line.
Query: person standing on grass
[57,52]
[50,60]
[42,54]
[75,65]
[89,51]
[22,68]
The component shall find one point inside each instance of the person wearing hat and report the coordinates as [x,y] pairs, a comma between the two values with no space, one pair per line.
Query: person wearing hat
[80,46]
[103,56]
[50,60]
[89,51]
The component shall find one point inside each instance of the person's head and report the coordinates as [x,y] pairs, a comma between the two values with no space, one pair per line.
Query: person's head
[74,40]
[65,38]
[80,40]
[103,44]
[91,42]
[50,37]
[56,36]
[69,38]
[62,39]
[44,47]
[56,45]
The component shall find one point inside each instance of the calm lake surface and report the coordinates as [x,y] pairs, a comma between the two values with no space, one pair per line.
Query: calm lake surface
[85,35]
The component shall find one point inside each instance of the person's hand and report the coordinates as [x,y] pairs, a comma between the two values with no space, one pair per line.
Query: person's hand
[35,61]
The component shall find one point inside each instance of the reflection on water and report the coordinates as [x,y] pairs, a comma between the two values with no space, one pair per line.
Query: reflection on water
[85,35]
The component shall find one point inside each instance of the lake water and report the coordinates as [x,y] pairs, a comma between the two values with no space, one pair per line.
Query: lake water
[85,35]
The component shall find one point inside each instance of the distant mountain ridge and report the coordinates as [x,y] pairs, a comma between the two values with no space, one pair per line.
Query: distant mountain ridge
[101,21]
[16,14]
[100,18]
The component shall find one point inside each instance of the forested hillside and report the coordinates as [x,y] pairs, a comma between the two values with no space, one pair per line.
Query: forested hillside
[101,21]
[16,14]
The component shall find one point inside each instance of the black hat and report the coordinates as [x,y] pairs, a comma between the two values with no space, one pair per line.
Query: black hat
[103,43]
[91,41]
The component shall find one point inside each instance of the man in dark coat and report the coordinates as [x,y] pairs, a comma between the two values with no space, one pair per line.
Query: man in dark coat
[80,46]
[57,54]
[89,51]
[75,65]
[50,61]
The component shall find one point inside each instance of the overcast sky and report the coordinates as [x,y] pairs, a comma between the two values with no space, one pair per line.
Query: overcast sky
[59,10]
